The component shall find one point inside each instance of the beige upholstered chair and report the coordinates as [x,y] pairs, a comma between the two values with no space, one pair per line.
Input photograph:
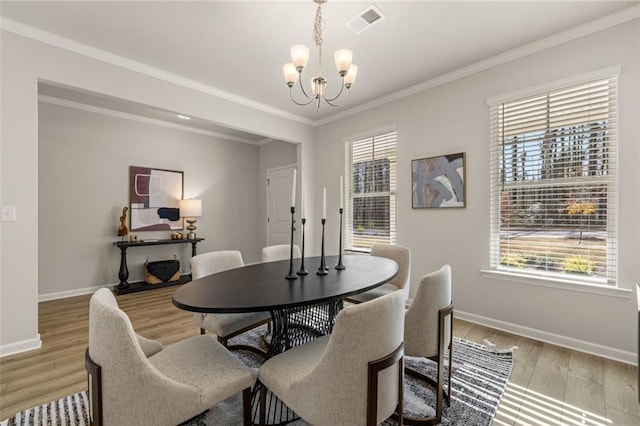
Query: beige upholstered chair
[402,256]
[137,381]
[333,380]
[279,252]
[428,333]
[225,326]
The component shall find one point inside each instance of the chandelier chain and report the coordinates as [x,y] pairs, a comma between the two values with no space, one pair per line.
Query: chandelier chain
[317,26]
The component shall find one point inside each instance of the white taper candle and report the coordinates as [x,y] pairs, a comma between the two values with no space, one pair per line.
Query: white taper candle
[302,200]
[293,189]
[324,203]
[341,192]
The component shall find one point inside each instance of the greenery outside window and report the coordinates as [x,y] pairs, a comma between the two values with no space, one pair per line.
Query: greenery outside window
[553,183]
[370,192]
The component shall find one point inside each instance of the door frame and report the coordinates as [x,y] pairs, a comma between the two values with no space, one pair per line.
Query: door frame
[266,191]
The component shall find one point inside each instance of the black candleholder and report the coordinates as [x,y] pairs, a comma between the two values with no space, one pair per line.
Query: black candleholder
[302,271]
[291,275]
[322,270]
[340,266]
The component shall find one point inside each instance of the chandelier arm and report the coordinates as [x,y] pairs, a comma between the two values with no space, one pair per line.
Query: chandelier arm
[302,88]
[299,103]
[329,100]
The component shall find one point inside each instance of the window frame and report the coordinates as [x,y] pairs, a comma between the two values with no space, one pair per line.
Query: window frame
[348,185]
[606,286]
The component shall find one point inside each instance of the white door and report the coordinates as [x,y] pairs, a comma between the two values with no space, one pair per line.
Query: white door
[279,183]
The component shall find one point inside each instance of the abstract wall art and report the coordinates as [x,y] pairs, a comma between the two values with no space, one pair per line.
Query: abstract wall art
[154,196]
[438,181]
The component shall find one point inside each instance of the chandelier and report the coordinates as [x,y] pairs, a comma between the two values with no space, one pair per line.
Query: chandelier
[299,58]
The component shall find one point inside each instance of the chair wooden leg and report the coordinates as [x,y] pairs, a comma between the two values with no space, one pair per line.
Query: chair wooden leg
[373,370]
[246,407]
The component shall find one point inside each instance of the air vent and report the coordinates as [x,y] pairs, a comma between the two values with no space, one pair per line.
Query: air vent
[365,19]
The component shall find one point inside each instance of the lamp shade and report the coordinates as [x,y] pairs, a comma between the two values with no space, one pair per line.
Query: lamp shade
[190,208]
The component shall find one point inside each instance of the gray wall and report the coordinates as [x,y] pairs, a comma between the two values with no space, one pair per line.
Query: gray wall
[454,118]
[83,171]
[273,154]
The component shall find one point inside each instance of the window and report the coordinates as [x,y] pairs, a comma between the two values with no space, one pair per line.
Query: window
[370,202]
[553,183]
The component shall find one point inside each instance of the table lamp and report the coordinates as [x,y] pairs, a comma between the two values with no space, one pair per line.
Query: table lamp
[190,209]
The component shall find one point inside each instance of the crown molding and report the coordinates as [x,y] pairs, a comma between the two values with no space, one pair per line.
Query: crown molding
[139,67]
[583,30]
[133,117]
[597,25]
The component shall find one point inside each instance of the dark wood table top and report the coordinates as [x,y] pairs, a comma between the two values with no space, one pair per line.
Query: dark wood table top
[263,287]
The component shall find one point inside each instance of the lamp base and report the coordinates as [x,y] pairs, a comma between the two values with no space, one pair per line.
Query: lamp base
[191,235]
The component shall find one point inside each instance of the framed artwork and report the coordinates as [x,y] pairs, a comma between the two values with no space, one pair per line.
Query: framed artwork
[154,197]
[438,182]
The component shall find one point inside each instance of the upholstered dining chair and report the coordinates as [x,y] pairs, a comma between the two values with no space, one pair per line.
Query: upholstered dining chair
[225,326]
[279,252]
[428,333]
[402,256]
[138,381]
[352,376]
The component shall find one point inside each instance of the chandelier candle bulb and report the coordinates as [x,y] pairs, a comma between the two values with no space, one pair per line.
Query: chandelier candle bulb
[293,189]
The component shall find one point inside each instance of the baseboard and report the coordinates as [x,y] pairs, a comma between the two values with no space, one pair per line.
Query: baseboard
[18,347]
[556,339]
[70,293]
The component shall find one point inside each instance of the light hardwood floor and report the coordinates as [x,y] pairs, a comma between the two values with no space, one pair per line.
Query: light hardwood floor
[549,385]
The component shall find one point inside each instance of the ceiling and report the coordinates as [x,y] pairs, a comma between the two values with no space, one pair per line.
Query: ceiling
[238,47]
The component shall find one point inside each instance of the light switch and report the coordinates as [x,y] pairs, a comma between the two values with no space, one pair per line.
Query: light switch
[8,213]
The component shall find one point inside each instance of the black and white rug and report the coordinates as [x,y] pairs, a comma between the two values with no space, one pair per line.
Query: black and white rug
[479,378]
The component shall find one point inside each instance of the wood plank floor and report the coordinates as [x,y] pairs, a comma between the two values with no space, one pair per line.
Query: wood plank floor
[549,385]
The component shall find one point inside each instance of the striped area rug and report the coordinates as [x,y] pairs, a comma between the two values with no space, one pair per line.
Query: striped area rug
[478,381]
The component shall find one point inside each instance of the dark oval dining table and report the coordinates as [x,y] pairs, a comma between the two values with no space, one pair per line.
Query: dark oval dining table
[263,287]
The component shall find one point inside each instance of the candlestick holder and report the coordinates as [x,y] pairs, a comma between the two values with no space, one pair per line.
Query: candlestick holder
[291,275]
[322,270]
[302,271]
[340,266]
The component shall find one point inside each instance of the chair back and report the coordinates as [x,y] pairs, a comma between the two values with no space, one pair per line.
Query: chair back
[125,370]
[213,262]
[362,333]
[402,256]
[279,252]
[421,320]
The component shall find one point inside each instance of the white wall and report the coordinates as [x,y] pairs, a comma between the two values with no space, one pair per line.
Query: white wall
[454,117]
[83,173]
[23,63]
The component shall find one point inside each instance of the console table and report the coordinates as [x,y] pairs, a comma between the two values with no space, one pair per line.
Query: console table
[123,274]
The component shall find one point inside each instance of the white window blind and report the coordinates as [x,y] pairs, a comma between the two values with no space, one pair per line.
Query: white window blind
[553,183]
[370,192]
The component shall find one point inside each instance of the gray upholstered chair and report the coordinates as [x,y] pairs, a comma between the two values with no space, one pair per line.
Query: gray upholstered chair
[225,326]
[279,252]
[402,256]
[137,381]
[352,376]
[428,333]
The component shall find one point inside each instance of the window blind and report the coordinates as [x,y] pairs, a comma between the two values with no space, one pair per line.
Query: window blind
[553,183]
[370,192]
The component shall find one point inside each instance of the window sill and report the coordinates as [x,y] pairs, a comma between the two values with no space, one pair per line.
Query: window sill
[604,290]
